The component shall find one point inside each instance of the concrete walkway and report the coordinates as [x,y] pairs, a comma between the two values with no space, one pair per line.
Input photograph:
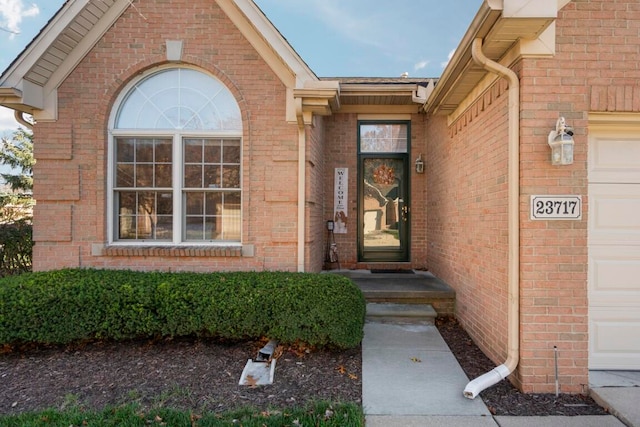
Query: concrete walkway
[619,392]
[411,379]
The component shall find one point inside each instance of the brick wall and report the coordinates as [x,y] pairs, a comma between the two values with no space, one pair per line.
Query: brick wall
[341,151]
[467,215]
[70,176]
[419,209]
[595,69]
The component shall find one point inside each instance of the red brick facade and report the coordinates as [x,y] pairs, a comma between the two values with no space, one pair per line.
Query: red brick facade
[459,206]
[75,147]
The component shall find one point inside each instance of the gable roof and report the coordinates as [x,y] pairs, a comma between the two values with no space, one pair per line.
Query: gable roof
[31,81]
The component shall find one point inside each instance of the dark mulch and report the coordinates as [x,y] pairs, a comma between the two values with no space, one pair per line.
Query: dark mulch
[183,374]
[203,375]
[503,398]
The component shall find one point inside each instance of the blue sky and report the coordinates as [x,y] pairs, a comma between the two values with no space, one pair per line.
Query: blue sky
[336,38]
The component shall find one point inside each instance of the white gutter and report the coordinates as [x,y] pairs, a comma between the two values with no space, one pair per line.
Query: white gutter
[494,376]
[302,148]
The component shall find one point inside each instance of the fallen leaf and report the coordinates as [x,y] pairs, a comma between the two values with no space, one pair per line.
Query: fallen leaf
[279,351]
[251,382]
[353,376]
[341,370]
[416,360]
[194,419]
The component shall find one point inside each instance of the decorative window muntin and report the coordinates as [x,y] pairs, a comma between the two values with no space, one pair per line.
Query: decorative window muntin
[179,99]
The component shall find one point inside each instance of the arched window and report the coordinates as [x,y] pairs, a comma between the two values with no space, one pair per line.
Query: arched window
[176,157]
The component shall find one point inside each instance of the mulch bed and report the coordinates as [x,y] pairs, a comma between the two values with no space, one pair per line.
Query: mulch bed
[188,374]
[203,375]
[503,398]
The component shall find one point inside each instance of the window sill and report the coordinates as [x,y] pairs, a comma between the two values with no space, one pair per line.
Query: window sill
[173,251]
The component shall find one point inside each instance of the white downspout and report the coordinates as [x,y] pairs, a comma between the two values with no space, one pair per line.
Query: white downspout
[494,376]
[302,148]
[19,116]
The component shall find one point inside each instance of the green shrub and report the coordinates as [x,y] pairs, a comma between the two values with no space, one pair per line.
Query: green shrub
[64,306]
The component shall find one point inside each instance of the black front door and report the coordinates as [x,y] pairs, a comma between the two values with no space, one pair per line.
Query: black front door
[383,192]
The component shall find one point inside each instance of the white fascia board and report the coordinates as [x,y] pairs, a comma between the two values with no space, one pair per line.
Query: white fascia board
[15,73]
[563,3]
[530,9]
[322,84]
[273,39]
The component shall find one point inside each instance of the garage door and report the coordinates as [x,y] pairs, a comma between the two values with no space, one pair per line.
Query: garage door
[614,249]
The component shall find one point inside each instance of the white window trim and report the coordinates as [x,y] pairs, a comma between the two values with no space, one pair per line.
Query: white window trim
[177,172]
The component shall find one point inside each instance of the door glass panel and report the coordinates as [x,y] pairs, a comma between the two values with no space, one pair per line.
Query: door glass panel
[383,138]
[383,203]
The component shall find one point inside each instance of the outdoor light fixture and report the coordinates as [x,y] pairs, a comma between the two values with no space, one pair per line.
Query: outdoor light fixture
[330,225]
[419,164]
[561,143]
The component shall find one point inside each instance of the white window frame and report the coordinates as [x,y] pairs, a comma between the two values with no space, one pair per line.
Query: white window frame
[177,136]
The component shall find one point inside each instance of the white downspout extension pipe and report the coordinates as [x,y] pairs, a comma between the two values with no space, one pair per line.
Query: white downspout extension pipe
[302,156]
[475,387]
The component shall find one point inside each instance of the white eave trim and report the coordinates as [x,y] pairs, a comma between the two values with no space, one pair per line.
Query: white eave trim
[488,18]
[36,49]
[489,13]
[266,39]
[42,101]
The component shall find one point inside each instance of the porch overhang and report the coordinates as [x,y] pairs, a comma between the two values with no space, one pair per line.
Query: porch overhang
[511,30]
[381,95]
[322,98]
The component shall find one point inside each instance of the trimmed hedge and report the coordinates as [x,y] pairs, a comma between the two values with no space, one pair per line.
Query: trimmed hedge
[63,306]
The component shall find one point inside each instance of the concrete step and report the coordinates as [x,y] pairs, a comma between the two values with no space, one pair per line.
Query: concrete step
[421,287]
[401,313]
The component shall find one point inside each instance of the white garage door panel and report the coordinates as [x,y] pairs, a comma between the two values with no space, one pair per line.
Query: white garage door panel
[614,214]
[615,339]
[614,244]
[614,159]
[614,275]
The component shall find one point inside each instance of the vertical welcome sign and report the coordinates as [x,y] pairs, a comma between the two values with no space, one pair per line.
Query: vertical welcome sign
[341,188]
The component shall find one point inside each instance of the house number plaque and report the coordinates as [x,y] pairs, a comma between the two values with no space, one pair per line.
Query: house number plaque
[556,207]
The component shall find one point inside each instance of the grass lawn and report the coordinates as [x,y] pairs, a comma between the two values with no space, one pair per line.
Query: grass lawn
[322,414]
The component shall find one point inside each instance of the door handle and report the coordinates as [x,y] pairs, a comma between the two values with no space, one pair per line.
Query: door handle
[405,213]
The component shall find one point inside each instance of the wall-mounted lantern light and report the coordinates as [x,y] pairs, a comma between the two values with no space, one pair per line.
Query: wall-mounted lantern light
[419,164]
[561,143]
